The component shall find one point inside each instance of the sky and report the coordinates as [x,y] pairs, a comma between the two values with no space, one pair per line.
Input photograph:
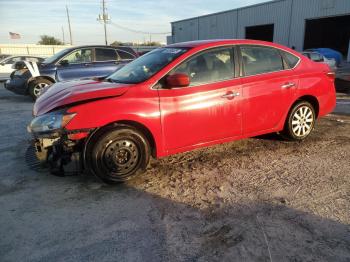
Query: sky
[32,18]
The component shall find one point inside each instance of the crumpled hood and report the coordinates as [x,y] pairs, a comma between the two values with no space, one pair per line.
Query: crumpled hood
[65,93]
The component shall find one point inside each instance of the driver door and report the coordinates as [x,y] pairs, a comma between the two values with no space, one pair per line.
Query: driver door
[209,109]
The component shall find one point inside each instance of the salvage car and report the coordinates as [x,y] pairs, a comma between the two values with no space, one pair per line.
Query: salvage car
[7,64]
[319,58]
[69,64]
[179,98]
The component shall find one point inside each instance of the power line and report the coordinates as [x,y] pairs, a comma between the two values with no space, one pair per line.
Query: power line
[138,31]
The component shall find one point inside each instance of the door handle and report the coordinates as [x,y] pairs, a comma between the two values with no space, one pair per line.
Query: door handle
[87,64]
[288,85]
[231,95]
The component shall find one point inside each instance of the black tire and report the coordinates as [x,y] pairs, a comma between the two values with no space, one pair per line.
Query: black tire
[118,154]
[36,85]
[299,125]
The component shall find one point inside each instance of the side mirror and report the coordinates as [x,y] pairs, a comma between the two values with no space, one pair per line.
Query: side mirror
[177,80]
[64,62]
[2,63]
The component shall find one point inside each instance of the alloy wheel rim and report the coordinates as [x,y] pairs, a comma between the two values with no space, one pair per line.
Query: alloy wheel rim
[302,121]
[38,88]
[121,157]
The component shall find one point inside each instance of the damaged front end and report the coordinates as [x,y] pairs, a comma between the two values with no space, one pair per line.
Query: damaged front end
[59,149]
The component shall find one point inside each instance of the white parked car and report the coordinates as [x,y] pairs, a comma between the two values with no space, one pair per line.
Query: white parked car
[7,63]
[317,57]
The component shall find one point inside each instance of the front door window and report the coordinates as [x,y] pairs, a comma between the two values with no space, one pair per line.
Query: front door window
[79,56]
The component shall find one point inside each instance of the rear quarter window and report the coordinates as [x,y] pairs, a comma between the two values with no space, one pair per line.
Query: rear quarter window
[291,60]
[125,55]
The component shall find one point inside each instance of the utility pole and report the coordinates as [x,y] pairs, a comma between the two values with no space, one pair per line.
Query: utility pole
[104,18]
[64,41]
[70,29]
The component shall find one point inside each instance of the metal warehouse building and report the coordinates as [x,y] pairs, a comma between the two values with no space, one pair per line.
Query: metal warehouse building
[295,23]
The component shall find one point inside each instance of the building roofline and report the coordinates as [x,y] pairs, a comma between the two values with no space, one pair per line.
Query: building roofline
[227,11]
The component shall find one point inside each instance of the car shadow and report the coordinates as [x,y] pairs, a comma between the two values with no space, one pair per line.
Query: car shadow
[271,136]
[85,220]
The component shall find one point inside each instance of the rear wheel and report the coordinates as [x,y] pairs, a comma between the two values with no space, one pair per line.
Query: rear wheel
[118,154]
[36,86]
[300,121]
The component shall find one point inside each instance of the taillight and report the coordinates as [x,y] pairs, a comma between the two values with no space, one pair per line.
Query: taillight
[331,75]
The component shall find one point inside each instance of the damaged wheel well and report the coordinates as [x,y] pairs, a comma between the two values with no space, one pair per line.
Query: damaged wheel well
[133,124]
[312,100]
[41,77]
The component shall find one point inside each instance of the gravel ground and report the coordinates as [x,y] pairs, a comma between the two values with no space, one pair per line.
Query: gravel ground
[259,199]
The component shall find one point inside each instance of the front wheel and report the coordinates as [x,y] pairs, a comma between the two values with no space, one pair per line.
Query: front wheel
[118,154]
[36,86]
[300,121]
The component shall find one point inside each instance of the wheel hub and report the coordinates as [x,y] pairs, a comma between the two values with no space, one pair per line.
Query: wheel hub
[121,156]
[39,87]
[302,121]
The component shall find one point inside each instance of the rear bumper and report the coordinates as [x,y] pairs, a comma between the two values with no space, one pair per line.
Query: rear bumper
[17,85]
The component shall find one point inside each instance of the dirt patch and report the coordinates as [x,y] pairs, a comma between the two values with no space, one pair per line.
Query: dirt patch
[259,199]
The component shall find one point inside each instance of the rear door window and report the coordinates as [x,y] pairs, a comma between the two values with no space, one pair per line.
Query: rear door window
[259,60]
[105,54]
[316,57]
[125,55]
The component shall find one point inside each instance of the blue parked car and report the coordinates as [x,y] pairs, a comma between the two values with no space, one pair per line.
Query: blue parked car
[329,53]
[68,64]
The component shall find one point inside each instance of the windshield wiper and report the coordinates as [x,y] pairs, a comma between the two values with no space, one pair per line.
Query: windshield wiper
[115,81]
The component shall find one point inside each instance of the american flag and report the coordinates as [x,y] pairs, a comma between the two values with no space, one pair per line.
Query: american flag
[14,35]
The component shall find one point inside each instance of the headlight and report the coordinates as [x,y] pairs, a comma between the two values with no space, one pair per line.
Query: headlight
[50,122]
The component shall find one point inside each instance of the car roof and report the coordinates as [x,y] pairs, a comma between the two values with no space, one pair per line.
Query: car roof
[126,48]
[214,42]
[24,56]
[311,52]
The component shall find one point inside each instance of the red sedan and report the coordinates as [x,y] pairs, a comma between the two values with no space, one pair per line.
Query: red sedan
[178,98]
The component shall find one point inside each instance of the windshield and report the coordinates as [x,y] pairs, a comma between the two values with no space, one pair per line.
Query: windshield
[146,66]
[53,58]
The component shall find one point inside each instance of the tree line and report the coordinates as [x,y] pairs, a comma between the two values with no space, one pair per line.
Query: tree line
[50,40]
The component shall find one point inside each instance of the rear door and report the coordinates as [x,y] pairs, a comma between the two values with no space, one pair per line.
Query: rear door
[106,61]
[268,85]
[76,65]
[210,108]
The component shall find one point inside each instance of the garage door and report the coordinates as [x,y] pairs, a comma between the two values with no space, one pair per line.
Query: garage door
[331,32]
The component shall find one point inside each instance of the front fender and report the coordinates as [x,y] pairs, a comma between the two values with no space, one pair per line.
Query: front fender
[101,113]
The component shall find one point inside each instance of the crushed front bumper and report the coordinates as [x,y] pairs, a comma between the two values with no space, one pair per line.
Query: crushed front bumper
[61,155]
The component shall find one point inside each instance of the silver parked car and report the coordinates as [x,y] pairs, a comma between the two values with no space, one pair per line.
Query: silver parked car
[317,57]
